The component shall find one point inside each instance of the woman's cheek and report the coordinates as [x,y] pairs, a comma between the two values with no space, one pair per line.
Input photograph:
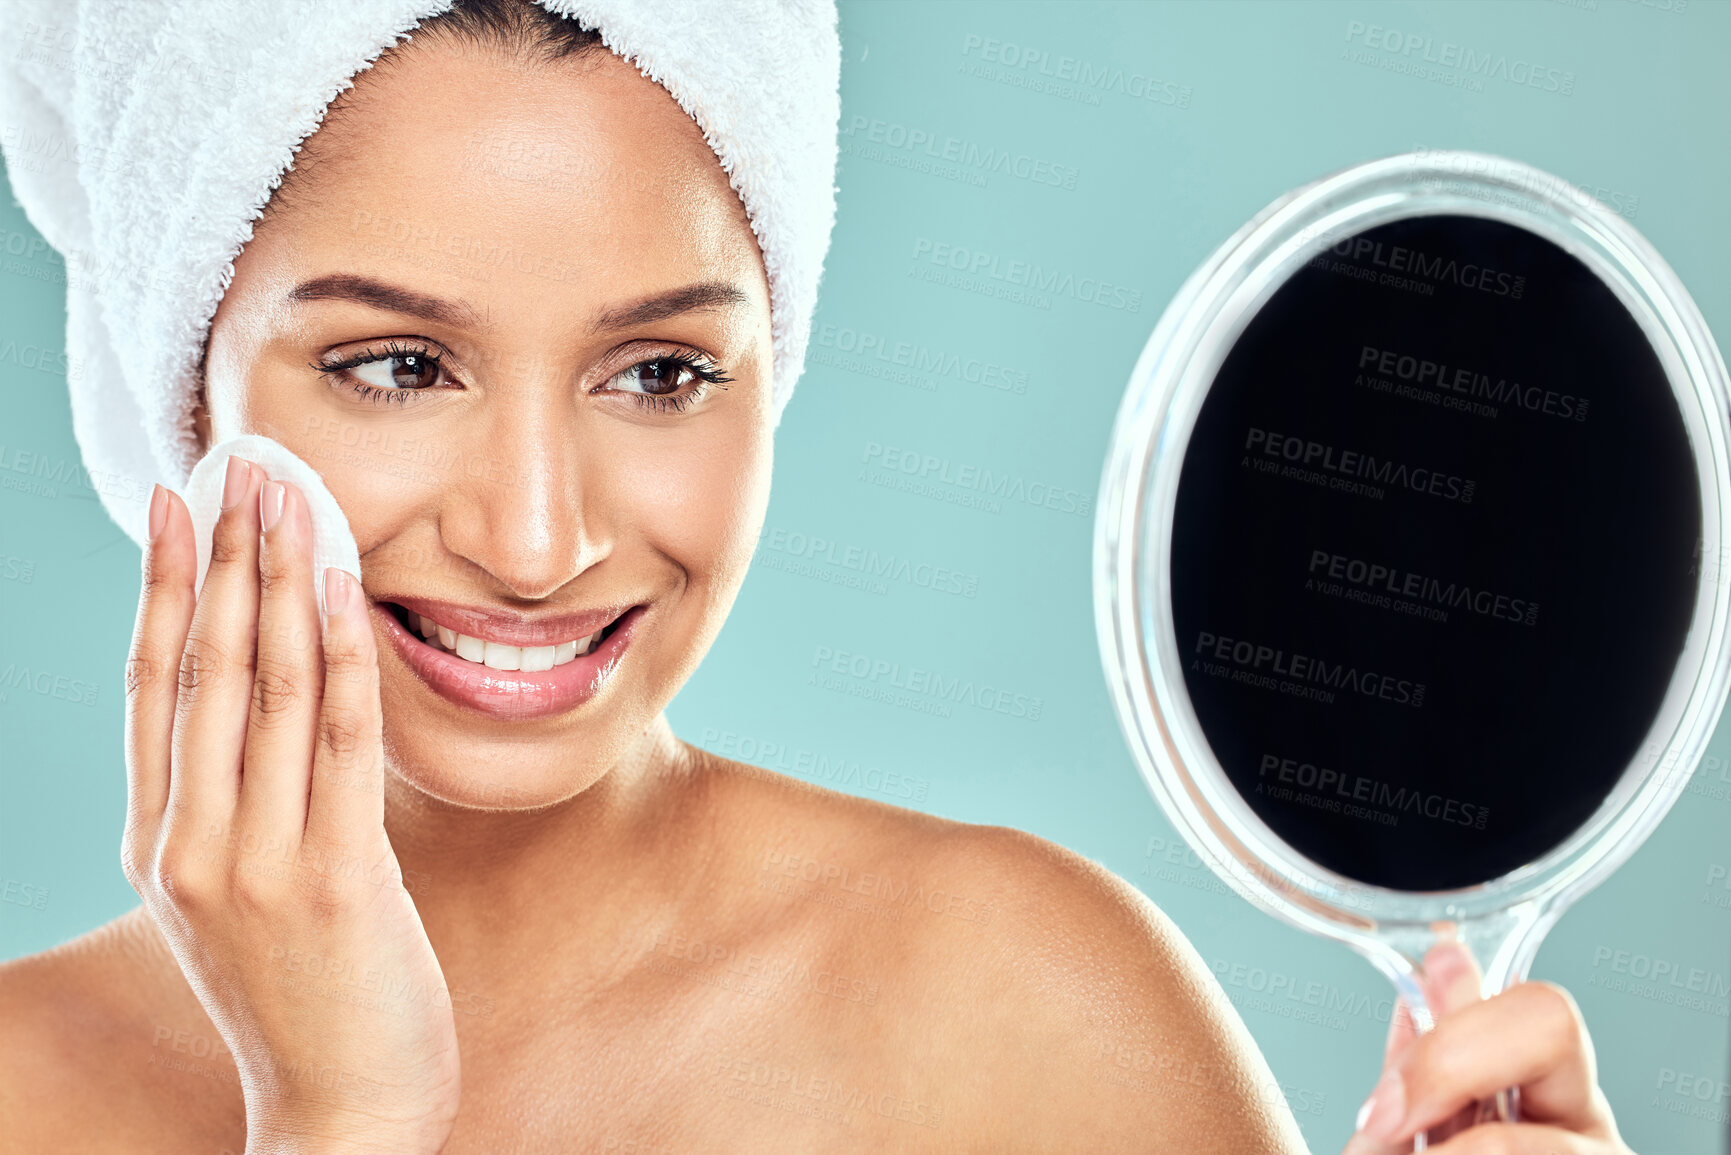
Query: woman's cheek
[375,487]
[702,504]
[373,460]
[398,461]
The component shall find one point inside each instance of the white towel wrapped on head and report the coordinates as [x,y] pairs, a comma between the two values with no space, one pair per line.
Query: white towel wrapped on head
[144,138]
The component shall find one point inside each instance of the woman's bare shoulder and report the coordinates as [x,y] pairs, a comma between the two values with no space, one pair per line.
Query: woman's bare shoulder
[1116,1029]
[1085,1018]
[1024,887]
[109,1050]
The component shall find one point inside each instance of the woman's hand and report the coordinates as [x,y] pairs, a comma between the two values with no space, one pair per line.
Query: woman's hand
[1531,1036]
[255,833]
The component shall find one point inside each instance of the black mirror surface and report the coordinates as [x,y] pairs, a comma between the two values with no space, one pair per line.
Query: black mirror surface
[1435,552]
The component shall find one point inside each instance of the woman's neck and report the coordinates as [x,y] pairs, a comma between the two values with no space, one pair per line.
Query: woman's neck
[492,884]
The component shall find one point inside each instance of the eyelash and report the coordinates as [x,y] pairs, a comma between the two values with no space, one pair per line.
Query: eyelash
[702,367]
[336,370]
[699,365]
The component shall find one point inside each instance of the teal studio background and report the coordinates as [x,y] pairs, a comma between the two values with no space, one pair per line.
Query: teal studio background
[1218,110]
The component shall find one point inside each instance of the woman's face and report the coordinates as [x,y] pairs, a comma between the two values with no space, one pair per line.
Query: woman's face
[485,311]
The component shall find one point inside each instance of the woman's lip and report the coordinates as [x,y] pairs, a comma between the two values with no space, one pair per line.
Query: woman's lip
[511,629]
[511,695]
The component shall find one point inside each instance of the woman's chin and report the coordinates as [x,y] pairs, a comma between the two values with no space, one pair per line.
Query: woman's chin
[428,770]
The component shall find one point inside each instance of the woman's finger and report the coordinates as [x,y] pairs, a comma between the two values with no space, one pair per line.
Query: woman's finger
[1451,980]
[1530,1036]
[216,670]
[165,606]
[347,805]
[288,681]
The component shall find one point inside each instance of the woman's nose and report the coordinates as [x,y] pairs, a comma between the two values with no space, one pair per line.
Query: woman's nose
[523,510]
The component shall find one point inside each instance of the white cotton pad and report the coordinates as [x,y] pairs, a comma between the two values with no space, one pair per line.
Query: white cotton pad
[333,544]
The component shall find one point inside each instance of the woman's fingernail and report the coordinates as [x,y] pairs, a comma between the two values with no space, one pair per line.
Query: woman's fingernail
[338,586]
[1445,956]
[1382,1113]
[234,482]
[270,504]
[1451,977]
[1446,963]
[158,510]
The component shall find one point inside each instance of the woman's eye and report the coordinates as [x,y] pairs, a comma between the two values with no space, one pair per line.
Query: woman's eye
[398,371]
[656,378]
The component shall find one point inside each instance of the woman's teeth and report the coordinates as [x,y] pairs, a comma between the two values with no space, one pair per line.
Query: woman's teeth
[529,659]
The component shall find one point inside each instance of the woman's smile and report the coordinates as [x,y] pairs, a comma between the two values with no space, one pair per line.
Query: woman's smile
[506,666]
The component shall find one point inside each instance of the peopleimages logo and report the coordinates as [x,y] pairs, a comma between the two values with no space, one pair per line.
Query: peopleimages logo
[1470,382]
[1414,51]
[867,351]
[1290,996]
[981,486]
[968,155]
[1400,583]
[1682,1086]
[880,673]
[1315,455]
[1661,979]
[876,568]
[54,362]
[838,770]
[46,683]
[1068,77]
[41,475]
[1535,181]
[1302,671]
[1358,788]
[1442,270]
[981,271]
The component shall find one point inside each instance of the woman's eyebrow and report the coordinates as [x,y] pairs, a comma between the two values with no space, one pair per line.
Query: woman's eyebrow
[395,299]
[391,298]
[688,299]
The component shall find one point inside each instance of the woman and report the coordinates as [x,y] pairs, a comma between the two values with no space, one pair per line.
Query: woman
[394,904]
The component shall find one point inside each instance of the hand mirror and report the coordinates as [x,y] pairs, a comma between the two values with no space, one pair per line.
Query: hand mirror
[1407,559]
